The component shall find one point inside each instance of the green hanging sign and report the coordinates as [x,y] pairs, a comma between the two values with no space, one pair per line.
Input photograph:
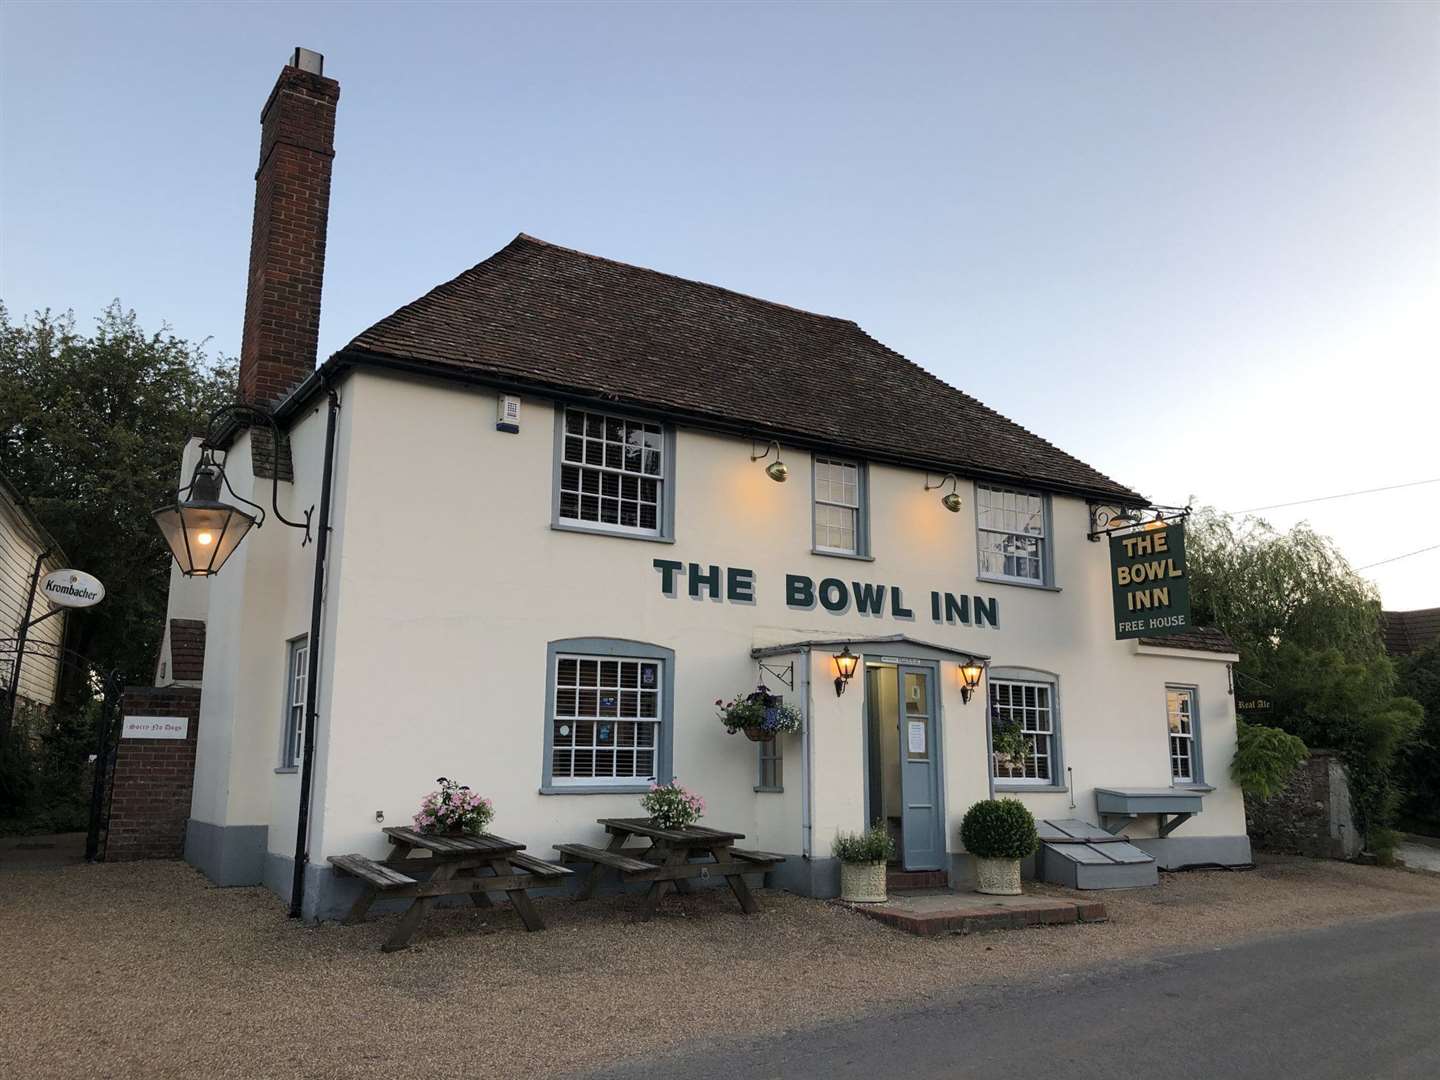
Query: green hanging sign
[1148,582]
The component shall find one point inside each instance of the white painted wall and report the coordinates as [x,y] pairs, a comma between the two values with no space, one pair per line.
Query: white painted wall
[448,583]
[259,601]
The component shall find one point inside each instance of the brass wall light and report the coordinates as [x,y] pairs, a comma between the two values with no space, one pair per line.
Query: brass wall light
[845,664]
[951,501]
[777,470]
[970,673]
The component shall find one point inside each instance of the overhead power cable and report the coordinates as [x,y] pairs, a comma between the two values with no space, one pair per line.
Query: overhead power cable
[1397,558]
[1342,495]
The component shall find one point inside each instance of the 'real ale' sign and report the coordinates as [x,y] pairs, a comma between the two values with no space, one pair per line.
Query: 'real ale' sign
[1147,579]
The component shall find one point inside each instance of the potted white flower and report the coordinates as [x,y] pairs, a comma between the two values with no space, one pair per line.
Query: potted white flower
[863,857]
[998,833]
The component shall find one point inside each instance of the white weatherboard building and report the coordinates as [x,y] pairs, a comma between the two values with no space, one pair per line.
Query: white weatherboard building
[552,550]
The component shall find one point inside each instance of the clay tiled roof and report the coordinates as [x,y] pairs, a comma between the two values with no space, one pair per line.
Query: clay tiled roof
[1406,632]
[187,650]
[539,316]
[1199,638]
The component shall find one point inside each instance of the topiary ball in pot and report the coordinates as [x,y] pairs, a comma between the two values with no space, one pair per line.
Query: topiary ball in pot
[999,833]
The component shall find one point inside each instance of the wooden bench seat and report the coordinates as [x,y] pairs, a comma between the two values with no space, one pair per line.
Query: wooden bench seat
[586,853]
[539,867]
[367,869]
[761,859]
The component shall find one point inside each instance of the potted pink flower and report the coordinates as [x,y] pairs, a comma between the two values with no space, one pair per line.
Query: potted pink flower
[671,806]
[454,808]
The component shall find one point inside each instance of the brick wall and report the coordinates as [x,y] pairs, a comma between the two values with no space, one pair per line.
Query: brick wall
[151,783]
[1312,816]
[287,239]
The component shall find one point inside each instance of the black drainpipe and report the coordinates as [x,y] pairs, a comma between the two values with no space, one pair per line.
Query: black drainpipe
[312,708]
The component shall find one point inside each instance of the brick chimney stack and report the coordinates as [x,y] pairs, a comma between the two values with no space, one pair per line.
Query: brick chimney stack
[287,241]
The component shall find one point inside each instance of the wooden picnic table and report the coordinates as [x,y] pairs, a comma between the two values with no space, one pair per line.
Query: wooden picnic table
[473,864]
[672,859]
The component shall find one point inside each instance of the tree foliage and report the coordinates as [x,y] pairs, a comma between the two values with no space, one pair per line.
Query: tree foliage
[91,430]
[1265,759]
[1420,679]
[1308,630]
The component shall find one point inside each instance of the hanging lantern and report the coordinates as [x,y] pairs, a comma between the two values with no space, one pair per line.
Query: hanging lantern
[200,530]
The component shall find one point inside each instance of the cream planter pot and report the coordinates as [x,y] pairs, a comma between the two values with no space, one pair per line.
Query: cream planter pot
[862,882]
[997,877]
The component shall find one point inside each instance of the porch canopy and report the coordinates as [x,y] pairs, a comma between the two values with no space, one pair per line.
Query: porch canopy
[921,649]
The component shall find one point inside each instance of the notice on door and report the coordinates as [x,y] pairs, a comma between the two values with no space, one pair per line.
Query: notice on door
[916,731]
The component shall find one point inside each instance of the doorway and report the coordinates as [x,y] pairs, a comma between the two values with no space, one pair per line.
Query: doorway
[902,766]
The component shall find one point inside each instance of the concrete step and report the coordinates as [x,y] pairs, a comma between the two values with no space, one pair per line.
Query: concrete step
[902,880]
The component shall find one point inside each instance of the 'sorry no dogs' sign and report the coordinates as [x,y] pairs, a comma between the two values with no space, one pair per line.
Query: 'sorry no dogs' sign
[1148,582]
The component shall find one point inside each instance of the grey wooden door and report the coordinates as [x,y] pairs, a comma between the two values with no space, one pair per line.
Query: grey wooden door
[921,821]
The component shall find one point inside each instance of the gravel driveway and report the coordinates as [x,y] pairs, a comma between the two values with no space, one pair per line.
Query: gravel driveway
[143,969]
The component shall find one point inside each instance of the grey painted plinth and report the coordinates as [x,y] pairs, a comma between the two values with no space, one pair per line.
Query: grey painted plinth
[1178,852]
[227,854]
[818,878]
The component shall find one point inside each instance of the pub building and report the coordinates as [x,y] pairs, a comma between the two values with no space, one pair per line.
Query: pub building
[572,503]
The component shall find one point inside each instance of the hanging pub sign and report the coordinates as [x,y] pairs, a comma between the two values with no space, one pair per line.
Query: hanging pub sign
[1253,708]
[1148,582]
[72,588]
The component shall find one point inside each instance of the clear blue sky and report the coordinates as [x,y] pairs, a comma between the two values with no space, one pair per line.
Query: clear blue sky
[1197,245]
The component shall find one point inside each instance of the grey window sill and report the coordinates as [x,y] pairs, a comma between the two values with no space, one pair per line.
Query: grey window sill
[1199,786]
[764,790]
[1018,584]
[618,789]
[286,769]
[842,555]
[565,526]
[1050,788]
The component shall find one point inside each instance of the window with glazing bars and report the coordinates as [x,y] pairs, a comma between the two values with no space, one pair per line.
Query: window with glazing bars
[771,776]
[1031,706]
[837,506]
[296,671]
[606,719]
[612,472]
[1180,712]
[1011,533]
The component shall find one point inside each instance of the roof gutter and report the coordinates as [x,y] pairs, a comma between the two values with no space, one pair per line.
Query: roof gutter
[346,359]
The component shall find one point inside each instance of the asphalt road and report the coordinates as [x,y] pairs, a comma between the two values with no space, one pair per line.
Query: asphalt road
[1354,1000]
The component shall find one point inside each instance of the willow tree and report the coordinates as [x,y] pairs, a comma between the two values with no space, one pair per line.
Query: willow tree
[1308,630]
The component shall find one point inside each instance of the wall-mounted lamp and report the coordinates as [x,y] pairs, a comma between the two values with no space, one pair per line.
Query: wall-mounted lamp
[199,527]
[970,673]
[200,530]
[845,664]
[952,500]
[777,470]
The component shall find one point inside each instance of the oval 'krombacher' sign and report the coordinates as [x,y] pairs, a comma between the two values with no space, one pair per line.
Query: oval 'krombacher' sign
[72,588]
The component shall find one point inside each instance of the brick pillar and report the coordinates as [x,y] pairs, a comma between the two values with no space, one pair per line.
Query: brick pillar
[287,240]
[152,780]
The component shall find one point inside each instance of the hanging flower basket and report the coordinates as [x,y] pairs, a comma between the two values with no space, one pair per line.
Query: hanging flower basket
[760,714]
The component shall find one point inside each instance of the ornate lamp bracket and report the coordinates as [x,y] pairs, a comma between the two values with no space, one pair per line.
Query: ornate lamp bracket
[1108,519]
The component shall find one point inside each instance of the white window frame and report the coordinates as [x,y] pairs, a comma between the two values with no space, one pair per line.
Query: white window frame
[1188,741]
[1044,554]
[1005,778]
[297,670]
[663,444]
[859,508]
[597,719]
